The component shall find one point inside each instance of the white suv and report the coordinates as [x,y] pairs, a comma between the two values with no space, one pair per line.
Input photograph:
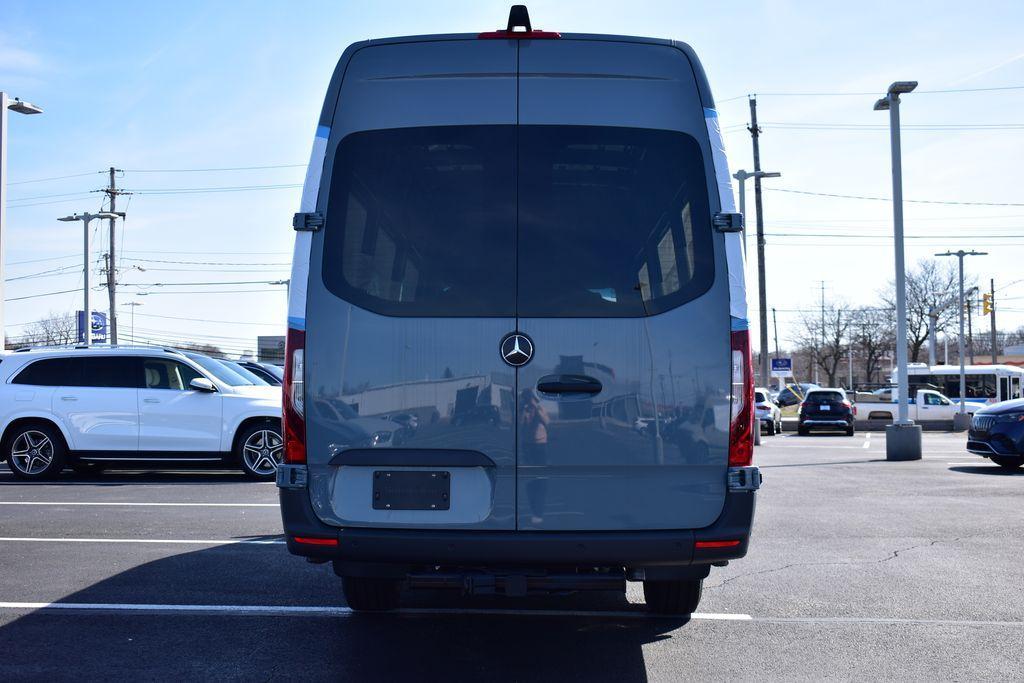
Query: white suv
[89,408]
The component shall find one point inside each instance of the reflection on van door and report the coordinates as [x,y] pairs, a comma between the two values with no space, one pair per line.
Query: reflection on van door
[412,284]
[623,291]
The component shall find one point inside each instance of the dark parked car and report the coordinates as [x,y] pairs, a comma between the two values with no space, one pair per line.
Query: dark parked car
[271,374]
[997,433]
[826,409]
[793,394]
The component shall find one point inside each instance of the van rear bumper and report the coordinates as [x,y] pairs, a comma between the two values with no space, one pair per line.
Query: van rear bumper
[536,548]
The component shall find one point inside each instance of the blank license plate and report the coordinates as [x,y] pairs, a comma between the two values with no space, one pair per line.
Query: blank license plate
[825,407]
[405,490]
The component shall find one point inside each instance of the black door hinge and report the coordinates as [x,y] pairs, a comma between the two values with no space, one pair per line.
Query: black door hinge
[728,222]
[309,222]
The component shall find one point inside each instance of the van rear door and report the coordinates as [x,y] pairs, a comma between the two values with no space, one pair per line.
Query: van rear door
[623,412]
[411,288]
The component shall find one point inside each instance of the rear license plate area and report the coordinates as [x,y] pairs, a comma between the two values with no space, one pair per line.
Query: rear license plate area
[408,490]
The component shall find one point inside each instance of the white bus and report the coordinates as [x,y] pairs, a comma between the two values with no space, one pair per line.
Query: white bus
[991,383]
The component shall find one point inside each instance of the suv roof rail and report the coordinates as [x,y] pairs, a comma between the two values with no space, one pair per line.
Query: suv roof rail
[83,347]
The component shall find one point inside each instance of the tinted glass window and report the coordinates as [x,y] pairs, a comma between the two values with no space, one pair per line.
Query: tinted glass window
[612,221]
[220,370]
[422,221]
[110,371]
[52,372]
[825,396]
[164,373]
[759,397]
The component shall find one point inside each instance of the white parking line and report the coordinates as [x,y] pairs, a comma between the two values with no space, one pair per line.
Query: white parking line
[116,503]
[172,541]
[338,611]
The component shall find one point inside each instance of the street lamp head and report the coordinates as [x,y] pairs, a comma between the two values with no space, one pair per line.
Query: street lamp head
[772,174]
[882,104]
[902,87]
[68,219]
[23,107]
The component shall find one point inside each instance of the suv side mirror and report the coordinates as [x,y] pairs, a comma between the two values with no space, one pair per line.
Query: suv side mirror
[202,384]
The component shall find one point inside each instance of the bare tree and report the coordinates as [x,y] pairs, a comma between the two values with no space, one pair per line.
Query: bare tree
[827,345]
[930,284]
[56,329]
[873,334]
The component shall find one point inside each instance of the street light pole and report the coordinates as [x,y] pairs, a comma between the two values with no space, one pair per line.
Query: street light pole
[757,175]
[903,439]
[22,108]
[961,421]
[86,218]
[742,177]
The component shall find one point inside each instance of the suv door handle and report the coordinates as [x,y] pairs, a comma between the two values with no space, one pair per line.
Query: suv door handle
[69,398]
[568,384]
[150,400]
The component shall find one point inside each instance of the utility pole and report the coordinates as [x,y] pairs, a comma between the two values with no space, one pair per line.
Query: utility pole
[112,192]
[762,296]
[992,318]
[775,327]
[970,328]
[961,421]
[86,218]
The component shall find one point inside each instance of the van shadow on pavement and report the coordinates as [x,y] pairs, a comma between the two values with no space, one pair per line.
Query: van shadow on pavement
[60,644]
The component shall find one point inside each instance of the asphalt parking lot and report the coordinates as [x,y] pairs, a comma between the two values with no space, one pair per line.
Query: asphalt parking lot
[859,568]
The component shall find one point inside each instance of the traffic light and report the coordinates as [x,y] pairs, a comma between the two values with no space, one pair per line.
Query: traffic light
[986,304]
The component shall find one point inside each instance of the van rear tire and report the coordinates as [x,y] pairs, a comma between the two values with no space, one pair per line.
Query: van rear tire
[370,595]
[673,597]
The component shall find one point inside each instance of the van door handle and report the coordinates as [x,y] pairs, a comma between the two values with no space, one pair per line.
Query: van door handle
[69,398]
[150,400]
[568,384]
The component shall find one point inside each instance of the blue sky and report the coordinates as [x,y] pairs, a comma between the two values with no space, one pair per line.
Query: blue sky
[190,85]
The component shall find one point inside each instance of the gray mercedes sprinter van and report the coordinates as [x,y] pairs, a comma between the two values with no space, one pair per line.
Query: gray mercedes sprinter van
[517,356]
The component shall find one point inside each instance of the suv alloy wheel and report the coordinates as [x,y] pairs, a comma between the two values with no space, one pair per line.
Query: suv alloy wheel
[35,451]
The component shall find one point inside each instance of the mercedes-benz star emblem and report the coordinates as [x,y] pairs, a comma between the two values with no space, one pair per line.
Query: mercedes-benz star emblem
[516,349]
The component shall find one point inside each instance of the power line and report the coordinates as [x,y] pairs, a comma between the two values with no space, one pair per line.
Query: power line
[38,296]
[888,199]
[59,177]
[195,284]
[209,263]
[48,258]
[210,190]
[205,170]
[875,93]
[206,320]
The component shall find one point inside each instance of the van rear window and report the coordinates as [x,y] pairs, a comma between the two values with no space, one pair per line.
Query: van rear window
[422,221]
[534,221]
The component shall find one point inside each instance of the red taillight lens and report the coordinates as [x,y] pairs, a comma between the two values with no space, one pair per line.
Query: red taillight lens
[312,540]
[699,545]
[520,35]
[294,397]
[741,430]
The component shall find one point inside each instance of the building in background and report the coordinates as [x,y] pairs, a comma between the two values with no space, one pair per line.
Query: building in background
[270,349]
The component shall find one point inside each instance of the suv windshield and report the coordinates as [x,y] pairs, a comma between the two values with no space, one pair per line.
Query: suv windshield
[534,221]
[219,370]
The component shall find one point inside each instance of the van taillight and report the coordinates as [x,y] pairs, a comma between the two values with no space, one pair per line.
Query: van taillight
[294,397]
[741,428]
[520,35]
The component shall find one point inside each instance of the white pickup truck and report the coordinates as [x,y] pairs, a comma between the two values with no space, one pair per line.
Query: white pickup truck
[927,405]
